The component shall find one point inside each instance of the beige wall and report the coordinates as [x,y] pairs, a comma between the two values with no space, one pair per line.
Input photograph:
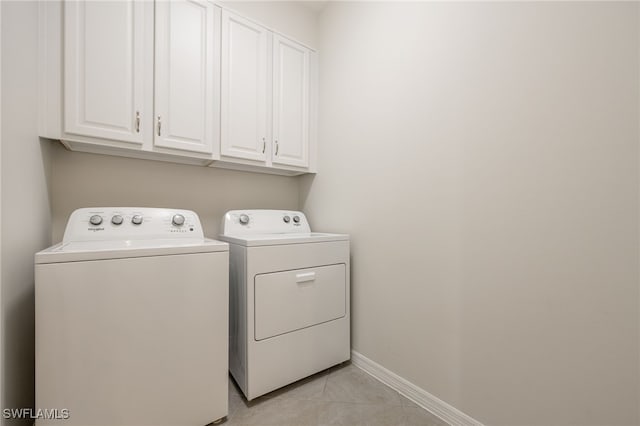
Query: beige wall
[296,19]
[484,158]
[85,180]
[25,200]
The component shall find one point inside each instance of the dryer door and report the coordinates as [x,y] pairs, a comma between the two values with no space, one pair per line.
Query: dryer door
[292,300]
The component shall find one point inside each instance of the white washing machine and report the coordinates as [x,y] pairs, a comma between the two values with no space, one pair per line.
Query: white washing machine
[289,299]
[132,321]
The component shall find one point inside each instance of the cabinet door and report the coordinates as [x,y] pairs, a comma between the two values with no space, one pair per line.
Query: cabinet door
[290,103]
[187,75]
[104,63]
[244,88]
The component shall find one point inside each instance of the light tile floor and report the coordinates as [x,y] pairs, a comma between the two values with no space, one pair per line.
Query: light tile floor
[342,395]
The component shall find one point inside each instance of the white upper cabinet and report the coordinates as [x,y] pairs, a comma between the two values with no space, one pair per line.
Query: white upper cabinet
[290,103]
[244,89]
[175,80]
[187,73]
[105,70]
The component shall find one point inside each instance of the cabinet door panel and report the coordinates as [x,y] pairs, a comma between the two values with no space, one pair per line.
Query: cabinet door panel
[104,69]
[244,88]
[186,74]
[290,103]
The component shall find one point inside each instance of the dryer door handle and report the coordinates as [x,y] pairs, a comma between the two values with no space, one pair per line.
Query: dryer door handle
[305,277]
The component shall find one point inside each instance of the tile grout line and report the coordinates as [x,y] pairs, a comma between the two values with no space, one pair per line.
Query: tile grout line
[324,388]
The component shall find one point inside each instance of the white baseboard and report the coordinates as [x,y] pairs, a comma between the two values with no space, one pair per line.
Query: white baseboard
[424,399]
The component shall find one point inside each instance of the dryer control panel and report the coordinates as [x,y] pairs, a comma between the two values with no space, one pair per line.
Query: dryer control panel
[258,222]
[131,223]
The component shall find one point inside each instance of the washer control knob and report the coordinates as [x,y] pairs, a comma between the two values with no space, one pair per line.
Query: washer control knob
[117,219]
[95,220]
[296,219]
[136,219]
[286,219]
[178,220]
[244,219]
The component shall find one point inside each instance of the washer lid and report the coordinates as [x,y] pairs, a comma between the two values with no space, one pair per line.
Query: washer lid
[76,251]
[277,239]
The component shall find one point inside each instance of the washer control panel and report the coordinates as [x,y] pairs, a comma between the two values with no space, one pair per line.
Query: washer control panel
[131,223]
[254,222]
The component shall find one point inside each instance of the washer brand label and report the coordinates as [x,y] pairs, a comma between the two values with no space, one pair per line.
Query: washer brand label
[95,229]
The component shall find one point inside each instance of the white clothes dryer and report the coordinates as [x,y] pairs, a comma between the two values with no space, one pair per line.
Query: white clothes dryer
[289,299]
[132,320]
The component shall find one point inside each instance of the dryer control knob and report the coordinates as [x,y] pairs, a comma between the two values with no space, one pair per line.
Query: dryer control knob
[244,219]
[286,219]
[136,219]
[296,219]
[178,220]
[117,219]
[95,220]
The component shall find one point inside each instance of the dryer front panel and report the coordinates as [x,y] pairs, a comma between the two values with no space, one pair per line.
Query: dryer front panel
[292,300]
[297,317]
